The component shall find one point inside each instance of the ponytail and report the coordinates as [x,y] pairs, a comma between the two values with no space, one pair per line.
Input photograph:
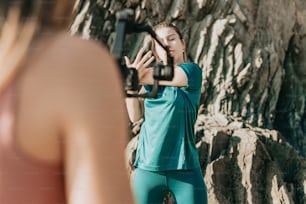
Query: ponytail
[15,39]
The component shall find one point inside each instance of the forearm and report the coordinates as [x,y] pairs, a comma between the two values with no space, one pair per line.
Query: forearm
[134,108]
[179,79]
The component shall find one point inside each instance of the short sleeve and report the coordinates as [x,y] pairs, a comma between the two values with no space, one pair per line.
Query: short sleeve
[194,75]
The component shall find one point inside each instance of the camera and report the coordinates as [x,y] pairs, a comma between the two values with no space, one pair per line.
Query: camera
[125,24]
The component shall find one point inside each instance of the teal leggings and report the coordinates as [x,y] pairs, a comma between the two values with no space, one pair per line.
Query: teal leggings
[186,186]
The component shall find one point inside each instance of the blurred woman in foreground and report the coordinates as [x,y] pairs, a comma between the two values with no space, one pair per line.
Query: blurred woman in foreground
[57,115]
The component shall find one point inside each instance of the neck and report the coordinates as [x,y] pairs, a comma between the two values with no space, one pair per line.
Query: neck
[179,61]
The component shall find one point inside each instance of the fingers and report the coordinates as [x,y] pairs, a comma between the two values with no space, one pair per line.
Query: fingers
[148,62]
[146,57]
[141,61]
[139,55]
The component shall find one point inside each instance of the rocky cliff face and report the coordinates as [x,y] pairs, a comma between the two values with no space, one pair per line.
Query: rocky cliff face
[251,129]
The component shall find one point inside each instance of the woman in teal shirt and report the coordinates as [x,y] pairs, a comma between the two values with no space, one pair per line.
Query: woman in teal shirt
[166,157]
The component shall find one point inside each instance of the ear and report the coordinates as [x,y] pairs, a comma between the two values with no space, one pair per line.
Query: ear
[184,43]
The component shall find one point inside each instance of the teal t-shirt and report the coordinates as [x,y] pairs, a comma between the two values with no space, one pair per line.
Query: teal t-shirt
[166,139]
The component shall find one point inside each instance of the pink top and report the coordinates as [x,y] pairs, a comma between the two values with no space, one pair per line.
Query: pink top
[22,179]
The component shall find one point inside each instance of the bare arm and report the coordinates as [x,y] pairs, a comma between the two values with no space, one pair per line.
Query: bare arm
[135,107]
[179,78]
[145,73]
[94,126]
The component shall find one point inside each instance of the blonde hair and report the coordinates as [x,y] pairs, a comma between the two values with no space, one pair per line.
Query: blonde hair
[166,25]
[21,21]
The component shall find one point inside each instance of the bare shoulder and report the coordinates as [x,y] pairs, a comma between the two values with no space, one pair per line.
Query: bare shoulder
[75,57]
[77,44]
[85,63]
[74,70]
[73,49]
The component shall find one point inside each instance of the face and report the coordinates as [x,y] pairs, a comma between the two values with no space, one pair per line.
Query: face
[171,39]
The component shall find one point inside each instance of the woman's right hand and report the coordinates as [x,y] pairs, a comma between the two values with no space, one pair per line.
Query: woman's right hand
[140,63]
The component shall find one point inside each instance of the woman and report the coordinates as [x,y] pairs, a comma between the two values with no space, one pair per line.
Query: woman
[166,157]
[56,111]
